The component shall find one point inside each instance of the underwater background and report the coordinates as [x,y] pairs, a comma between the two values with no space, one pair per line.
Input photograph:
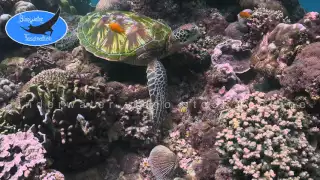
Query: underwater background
[310,5]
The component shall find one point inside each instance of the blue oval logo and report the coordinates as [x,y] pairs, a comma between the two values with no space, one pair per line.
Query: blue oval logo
[36,28]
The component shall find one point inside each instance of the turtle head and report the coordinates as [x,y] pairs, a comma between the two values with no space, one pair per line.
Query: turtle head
[184,35]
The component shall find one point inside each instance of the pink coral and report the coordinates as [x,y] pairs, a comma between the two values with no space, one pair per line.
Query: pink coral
[268,132]
[311,15]
[21,155]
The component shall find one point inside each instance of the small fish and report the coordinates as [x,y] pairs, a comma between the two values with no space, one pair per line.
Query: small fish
[116,27]
[245,14]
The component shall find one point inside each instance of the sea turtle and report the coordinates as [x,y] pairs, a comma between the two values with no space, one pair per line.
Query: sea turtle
[137,40]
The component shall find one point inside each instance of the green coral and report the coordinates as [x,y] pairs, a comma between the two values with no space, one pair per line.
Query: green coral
[269,138]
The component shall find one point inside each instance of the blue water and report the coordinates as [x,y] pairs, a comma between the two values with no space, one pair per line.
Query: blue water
[310,5]
[93,3]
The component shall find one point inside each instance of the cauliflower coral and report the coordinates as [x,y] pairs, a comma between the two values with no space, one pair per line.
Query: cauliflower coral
[267,138]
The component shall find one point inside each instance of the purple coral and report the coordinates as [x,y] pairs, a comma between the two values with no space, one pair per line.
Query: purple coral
[21,155]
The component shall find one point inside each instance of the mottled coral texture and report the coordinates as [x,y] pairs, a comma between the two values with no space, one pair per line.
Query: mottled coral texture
[232,52]
[268,138]
[21,156]
[262,21]
[278,48]
[304,74]
[312,21]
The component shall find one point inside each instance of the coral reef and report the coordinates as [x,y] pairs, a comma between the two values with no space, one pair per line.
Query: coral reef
[278,48]
[7,5]
[268,4]
[68,42]
[8,90]
[3,20]
[46,5]
[223,173]
[92,117]
[113,5]
[51,174]
[136,121]
[238,29]
[22,6]
[233,53]
[263,21]
[312,21]
[39,61]
[202,137]
[304,73]
[290,8]
[262,138]
[22,156]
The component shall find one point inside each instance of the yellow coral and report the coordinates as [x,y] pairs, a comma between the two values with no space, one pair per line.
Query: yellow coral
[183,109]
[235,123]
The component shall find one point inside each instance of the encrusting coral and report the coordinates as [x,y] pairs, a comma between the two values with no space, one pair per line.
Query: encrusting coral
[268,137]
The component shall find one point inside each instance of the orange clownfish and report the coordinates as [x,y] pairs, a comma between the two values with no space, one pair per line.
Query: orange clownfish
[244,14]
[116,27]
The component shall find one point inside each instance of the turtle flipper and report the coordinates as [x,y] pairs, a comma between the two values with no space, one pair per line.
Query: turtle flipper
[157,85]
